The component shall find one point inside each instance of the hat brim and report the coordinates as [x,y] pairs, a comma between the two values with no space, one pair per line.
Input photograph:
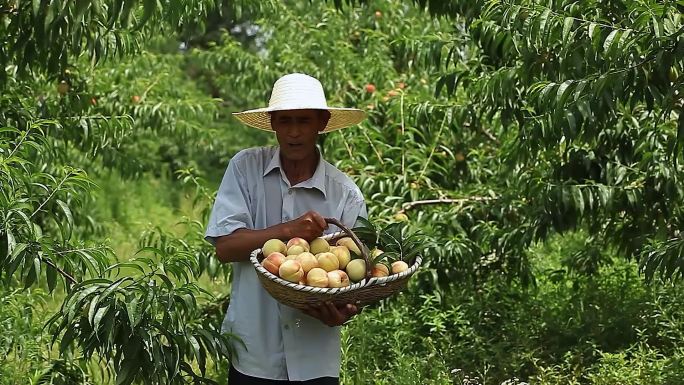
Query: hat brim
[339,117]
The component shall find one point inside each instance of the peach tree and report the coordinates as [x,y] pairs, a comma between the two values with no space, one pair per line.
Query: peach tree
[85,89]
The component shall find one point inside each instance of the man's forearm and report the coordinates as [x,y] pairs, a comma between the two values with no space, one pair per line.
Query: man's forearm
[237,246]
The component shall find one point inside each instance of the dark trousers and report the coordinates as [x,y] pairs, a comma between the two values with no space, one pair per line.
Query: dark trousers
[237,378]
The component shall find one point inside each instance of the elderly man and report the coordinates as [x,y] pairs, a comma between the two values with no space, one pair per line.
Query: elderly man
[283,192]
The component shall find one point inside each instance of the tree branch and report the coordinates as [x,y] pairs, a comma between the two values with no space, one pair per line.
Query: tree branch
[60,271]
[410,205]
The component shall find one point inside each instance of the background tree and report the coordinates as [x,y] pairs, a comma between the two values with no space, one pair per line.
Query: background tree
[537,145]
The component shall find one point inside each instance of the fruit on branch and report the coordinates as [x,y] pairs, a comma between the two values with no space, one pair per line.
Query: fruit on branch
[370,88]
[63,87]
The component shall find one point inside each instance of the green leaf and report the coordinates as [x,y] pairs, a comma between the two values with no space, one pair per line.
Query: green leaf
[134,312]
[51,275]
[126,374]
[98,317]
[567,28]
[67,214]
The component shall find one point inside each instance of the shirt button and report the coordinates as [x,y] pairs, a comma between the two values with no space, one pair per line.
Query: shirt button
[287,327]
[289,191]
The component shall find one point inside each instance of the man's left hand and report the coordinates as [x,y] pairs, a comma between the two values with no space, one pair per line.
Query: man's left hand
[332,315]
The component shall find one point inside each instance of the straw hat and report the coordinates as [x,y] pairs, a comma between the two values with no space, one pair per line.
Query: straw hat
[297,92]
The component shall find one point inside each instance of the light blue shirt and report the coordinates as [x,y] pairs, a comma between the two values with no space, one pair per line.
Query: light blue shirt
[281,342]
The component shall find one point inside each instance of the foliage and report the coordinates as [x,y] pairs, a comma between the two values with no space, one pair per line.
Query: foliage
[496,131]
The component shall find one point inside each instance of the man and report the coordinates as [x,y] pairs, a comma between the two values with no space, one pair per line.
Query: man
[283,192]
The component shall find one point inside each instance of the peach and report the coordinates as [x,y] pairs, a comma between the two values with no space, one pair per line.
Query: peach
[296,241]
[342,254]
[291,271]
[273,245]
[356,269]
[328,261]
[349,244]
[317,277]
[338,278]
[376,252]
[319,245]
[295,250]
[273,261]
[380,270]
[399,266]
[307,260]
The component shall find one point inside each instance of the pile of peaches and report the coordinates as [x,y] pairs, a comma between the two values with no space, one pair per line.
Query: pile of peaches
[321,264]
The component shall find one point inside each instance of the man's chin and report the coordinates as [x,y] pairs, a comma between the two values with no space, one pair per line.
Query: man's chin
[297,154]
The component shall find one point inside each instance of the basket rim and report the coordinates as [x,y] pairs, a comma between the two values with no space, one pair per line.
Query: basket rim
[333,290]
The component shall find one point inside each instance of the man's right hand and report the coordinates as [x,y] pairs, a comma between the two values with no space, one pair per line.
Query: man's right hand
[308,226]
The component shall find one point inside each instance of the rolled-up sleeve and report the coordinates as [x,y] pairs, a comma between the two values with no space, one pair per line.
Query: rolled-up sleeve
[231,208]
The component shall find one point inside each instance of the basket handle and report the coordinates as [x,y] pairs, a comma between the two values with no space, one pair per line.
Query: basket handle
[365,253]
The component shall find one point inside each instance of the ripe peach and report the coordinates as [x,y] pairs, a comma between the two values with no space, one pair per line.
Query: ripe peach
[392,93]
[342,254]
[378,14]
[319,245]
[356,270]
[273,245]
[298,241]
[295,250]
[328,261]
[380,270]
[370,88]
[291,271]
[399,266]
[135,99]
[338,278]
[273,261]
[307,260]
[401,85]
[349,244]
[317,277]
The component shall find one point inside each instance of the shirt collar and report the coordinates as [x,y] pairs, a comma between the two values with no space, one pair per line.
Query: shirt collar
[317,181]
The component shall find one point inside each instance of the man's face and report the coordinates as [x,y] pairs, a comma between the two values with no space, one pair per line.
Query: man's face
[297,131]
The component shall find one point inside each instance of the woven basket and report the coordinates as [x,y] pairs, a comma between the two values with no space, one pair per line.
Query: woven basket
[367,291]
